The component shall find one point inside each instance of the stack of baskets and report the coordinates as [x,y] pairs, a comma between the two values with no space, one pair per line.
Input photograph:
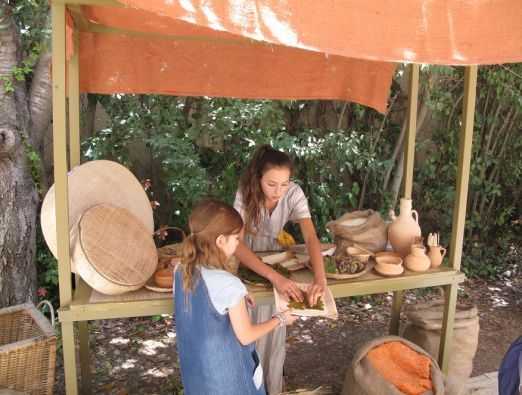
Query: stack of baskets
[110,225]
[27,350]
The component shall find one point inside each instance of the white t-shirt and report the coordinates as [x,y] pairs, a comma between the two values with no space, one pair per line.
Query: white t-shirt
[291,207]
[224,289]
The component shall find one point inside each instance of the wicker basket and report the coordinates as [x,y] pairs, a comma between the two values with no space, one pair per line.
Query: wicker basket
[27,350]
[170,251]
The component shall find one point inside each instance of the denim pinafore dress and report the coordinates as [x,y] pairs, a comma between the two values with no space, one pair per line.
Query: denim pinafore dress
[212,360]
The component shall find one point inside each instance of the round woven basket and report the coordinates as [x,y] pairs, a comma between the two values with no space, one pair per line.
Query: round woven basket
[92,183]
[114,253]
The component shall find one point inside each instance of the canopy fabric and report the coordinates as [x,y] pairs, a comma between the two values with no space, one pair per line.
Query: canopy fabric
[158,54]
[451,32]
[333,49]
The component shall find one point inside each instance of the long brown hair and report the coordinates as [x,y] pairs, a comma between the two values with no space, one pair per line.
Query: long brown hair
[209,219]
[264,159]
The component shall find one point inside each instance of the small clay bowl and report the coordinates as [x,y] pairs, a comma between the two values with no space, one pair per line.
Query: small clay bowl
[164,278]
[387,269]
[385,260]
[387,254]
[357,253]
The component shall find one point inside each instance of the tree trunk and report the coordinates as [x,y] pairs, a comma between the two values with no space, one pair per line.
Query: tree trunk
[18,197]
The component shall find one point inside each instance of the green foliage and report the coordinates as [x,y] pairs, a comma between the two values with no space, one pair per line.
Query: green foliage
[32,20]
[203,149]
[35,163]
[47,269]
[492,226]
[199,146]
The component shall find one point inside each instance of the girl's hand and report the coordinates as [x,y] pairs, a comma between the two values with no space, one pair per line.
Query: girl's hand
[250,302]
[289,318]
[315,291]
[288,288]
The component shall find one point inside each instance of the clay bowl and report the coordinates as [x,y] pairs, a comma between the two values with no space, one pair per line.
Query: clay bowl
[358,253]
[389,265]
[385,260]
[164,278]
[387,254]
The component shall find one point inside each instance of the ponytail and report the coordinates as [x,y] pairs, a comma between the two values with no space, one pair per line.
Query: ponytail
[188,251]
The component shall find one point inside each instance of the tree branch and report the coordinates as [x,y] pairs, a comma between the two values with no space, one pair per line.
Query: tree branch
[40,100]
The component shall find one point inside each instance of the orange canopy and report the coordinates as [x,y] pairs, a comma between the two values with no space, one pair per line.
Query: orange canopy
[333,49]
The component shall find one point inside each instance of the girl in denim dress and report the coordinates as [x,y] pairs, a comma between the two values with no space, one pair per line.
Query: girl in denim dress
[215,337]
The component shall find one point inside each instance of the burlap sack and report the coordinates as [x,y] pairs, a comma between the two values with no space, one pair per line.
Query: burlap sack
[362,379]
[424,329]
[364,228]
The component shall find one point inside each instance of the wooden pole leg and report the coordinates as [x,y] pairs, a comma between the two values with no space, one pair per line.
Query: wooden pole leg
[446,338]
[69,358]
[83,336]
[396,312]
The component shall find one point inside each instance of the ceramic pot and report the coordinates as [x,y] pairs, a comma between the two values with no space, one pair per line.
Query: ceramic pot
[436,254]
[164,278]
[405,229]
[417,260]
[389,265]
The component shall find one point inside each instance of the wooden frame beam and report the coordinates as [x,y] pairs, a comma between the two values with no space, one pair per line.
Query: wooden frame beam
[459,211]
[61,190]
[409,148]
[466,139]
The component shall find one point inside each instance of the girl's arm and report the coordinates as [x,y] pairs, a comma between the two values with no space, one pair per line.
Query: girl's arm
[314,251]
[245,331]
[283,285]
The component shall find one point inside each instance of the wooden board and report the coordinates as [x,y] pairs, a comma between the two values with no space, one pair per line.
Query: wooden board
[329,311]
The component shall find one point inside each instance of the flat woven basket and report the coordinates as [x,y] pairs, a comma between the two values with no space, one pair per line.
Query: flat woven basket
[27,350]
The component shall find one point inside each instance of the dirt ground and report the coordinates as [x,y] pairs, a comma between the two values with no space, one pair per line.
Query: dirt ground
[138,356]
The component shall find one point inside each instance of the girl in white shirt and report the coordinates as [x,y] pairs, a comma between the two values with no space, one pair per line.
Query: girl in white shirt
[267,200]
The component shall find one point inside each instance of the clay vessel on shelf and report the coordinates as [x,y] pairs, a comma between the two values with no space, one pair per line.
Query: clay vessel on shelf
[405,229]
[436,255]
[417,260]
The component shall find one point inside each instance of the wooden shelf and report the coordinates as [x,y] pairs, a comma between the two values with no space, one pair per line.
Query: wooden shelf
[90,305]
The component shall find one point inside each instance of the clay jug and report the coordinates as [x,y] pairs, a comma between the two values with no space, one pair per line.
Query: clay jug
[436,254]
[417,260]
[404,229]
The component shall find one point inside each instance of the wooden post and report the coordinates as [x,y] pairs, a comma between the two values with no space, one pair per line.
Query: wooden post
[409,153]
[409,150]
[459,211]
[73,87]
[466,139]
[61,189]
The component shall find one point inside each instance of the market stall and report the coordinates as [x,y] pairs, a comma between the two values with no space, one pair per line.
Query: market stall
[271,50]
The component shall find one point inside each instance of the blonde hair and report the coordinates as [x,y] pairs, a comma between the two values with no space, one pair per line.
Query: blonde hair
[209,219]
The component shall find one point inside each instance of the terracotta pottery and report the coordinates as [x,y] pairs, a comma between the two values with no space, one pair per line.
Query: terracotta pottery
[164,278]
[389,269]
[417,260]
[388,260]
[387,254]
[436,254]
[358,253]
[405,229]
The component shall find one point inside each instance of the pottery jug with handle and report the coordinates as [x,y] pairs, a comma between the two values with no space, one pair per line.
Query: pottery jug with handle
[436,254]
[417,260]
[405,229]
